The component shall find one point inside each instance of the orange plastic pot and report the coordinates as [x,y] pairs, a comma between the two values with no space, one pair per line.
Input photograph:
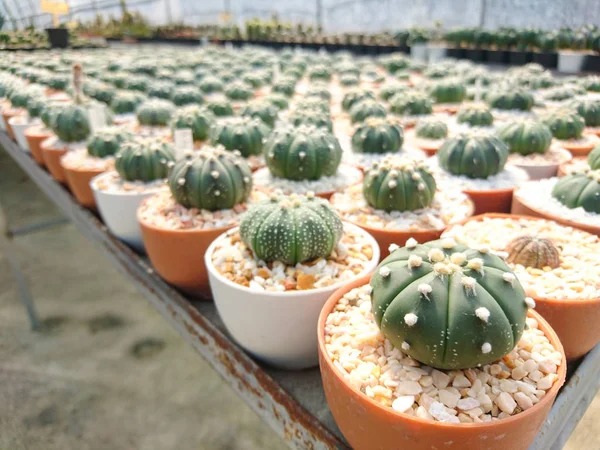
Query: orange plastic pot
[578,150]
[520,208]
[79,183]
[35,136]
[178,256]
[497,200]
[367,425]
[8,114]
[429,149]
[52,152]
[561,172]
[575,321]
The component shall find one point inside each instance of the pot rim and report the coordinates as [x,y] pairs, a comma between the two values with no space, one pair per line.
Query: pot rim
[562,151]
[544,326]
[371,265]
[12,121]
[481,217]
[94,181]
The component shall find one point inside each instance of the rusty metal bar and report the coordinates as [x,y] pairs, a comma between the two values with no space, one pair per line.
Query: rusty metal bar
[291,403]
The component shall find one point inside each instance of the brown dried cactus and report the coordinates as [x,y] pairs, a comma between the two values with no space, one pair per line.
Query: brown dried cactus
[532,251]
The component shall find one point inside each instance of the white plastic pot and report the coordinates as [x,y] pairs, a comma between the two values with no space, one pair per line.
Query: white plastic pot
[19,125]
[418,51]
[570,62]
[548,170]
[119,212]
[435,53]
[2,122]
[279,328]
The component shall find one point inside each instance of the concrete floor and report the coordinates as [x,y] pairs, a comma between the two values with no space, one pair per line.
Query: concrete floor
[106,372]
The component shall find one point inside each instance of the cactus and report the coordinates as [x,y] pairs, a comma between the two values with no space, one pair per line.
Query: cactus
[355,96]
[565,124]
[285,86]
[533,251]
[197,118]
[186,95]
[278,100]
[254,79]
[245,134]
[474,155]
[239,90]
[377,135]
[302,153]
[319,90]
[293,229]
[526,136]
[312,116]
[580,189]
[593,158]
[137,83]
[144,160]
[161,89]
[510,99]
[388,91]
[588,109]
[210,84]
[475,116]
[107,141]
[411,104]
[319,72]
[262,110]
[155,112]
[431,129]
[220,106]
[448,91]
[448,306]
[560,93]
[399,184]
[212,179]
[592,83]
[366,108]
[126,102]
[313,103]
[349,79]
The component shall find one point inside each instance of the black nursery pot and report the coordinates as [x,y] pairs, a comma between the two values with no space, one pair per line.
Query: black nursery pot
[549,60]
[518,58]
[456,53]
[58,37]
[474,54]
[591,63]
[497,56]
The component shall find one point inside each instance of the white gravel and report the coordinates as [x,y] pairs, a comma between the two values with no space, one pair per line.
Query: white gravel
[112,183]
[510,177]
[79,159]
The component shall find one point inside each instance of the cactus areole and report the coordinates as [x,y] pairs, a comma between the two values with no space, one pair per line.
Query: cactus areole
[212,179]
[447,305]
[291,229]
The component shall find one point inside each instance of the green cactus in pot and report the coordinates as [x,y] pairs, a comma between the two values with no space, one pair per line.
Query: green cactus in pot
[431,128]
[197,118]
[144,160]
[579,190]
[244,134]
[475,116]
[526,137]
[155,112]
[107,141]
[377,135]
[565,124]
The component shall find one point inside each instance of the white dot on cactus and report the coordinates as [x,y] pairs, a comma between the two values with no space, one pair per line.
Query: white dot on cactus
[475,264]
[468,282]
[416,176]
[530,302]
[448,243]
[384,271]
[436,255]
[392,184]
[421,187]
[214,174]
[441,268]
[424,289]
[246,180]
[458,258]
[181,181]
[414,261]
[482,313]
[302,155]
[405,346]
[486,348]
[217,193]
[393,173]
[170,164]
[484,249]
[393,247]
[410,319]
[411,243]
[509,277]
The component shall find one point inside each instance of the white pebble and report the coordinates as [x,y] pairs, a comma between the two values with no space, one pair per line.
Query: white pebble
[460,381]
[409,388]
[467,403]
[403,403]
[440,379]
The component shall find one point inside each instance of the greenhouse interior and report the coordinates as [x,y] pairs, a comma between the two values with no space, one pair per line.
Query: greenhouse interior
[334,224]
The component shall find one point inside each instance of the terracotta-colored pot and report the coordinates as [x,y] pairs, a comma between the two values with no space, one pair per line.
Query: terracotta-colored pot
[561,172]
[78,181]
[7,114]
[497,200]
[578,149]
[430,149]
[520,208]
[595,131]
[368,425]
[35,136]
[575,321]
[178,255]
[446,108]
[52,151]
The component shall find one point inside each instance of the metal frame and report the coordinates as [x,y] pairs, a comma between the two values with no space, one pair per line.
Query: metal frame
[291,403]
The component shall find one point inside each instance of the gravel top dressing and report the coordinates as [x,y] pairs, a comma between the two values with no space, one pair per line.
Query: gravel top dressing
[508,178]
[112,183]
[79,159]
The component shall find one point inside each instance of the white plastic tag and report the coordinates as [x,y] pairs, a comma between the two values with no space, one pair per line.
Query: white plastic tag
[97,116]
[184,141]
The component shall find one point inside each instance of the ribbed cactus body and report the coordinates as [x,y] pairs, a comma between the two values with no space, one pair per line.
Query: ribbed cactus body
[411,104]
[475,116]
[526,136]
[565,124]
[238,90]
[220,106]
[581,189]
[245,134]
[71,123]
[107,141]
[320,90]
[448,91]
[161,89]
[212,179]
[447,305]
[399,184]
[263,110]
[285,86]
[155,112]
[278,100]
[292,229]
[431,129]
[377,135]
[197,118]
[388,91]
[319,72]
[187,95]
[366,108]
[533,251]
[210,84]
[593,158]
[474,155]
[349,79]
[589,110]
[311,116]
[144,160]
[355,96]
[513,99]
[305,152]
[126,102]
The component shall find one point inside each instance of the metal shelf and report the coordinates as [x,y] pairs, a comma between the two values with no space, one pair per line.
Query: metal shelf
[291,403]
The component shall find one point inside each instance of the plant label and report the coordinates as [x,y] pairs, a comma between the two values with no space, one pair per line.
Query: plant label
[97,116]
[184,141]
